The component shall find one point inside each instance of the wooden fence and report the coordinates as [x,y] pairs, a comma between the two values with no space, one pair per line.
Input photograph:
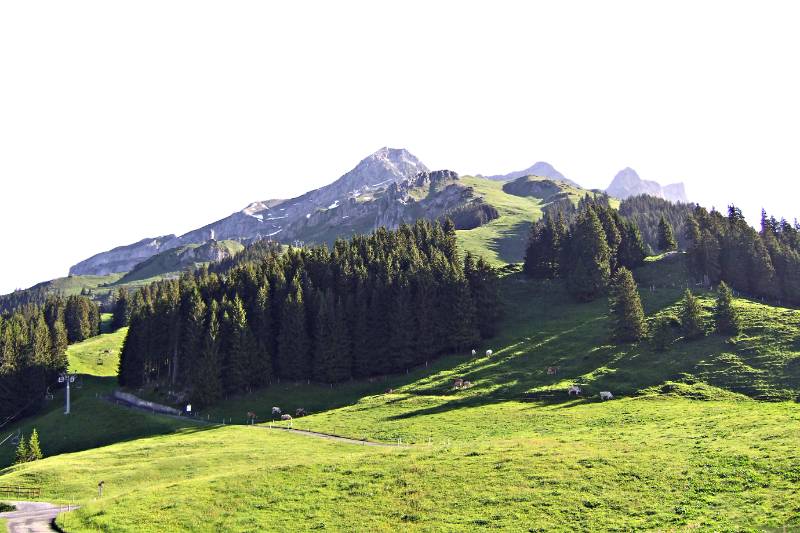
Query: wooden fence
[20,492]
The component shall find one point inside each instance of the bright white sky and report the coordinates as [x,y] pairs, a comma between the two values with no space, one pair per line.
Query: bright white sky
[122,120]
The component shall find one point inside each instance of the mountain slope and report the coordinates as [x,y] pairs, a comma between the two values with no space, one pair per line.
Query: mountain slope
[683,444]
[541,168]
[628,183]
[368,195]
[180,258]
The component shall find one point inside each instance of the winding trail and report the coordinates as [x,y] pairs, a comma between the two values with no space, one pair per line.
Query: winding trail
[305,432]
[34,517]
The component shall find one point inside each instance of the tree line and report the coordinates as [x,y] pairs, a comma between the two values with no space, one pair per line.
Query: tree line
[376,304]
[649,211]
[763,263]
[33,345]
[584,247]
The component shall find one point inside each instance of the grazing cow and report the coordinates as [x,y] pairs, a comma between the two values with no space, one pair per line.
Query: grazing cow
[300,412]
[488,353]
[286,417]
[552,370]
[251,416]
[574,390]
[605,395]
[458,383]
[276,411]
[389,391]
[474,353]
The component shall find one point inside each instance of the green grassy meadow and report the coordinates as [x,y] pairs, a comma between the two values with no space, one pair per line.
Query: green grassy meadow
[703,436]
[502,240]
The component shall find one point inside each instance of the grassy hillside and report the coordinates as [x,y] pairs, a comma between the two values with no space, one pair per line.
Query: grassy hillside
[93,421]
[97,356]
[504,239]
[703,436]
[630,464]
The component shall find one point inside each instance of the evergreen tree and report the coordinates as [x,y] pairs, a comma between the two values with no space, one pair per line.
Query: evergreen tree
[590,255]
[40,342]
[34,449]
[241,348]
[362,355]
[401,328]
[661,333]
[58,343]
[691,317]
[193,317]
[483,286]
[293,357]
[22,453]
[666,237]
[261,323]
[544,249]
[726,317]
[121,310]
[626,308]
[632,249]
[332,361]
[207,375]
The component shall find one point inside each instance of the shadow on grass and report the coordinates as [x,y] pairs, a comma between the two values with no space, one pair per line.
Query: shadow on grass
[510,245]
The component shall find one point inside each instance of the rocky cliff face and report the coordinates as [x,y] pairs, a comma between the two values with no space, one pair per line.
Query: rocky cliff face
[122,258]
[387,188]
[181,258]
[628,183]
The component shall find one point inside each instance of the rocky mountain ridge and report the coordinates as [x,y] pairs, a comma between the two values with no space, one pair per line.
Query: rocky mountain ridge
[627,183]
[387,188]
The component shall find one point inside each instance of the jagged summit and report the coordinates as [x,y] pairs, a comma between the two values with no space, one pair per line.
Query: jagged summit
[628,183]
[388,187]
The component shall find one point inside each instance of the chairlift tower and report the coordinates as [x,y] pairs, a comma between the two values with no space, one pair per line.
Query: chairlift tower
[66,378]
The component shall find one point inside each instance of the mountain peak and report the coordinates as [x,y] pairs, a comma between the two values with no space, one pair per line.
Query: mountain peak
[627,183]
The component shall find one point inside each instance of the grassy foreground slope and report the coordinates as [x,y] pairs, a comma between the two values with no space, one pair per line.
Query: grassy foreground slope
[684,445]
[621,465]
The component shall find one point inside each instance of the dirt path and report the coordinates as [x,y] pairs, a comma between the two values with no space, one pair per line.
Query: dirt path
[338,438]
[305,432]
[33,517]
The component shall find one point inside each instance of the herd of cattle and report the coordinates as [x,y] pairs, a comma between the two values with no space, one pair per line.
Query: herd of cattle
[458,384]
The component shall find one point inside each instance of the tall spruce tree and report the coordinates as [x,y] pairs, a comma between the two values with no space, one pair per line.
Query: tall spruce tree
[628,320]
[294,346]
[240,349]
[632,249]
[660,333]
[262,325]
[402,346]
[666,237]
[331,360]
[726,317]
[207,379]
[193,312]
[591,269]
[691,316]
